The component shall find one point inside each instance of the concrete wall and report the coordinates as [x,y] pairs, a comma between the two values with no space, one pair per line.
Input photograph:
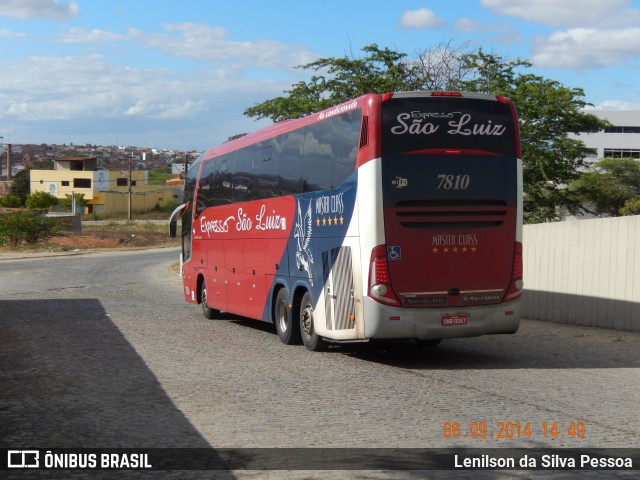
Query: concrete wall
[584,272]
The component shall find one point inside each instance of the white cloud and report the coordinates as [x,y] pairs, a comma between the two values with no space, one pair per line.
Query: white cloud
[467,25]
[587,47]
[48,9]
[567,13]
[203,43]
[597,33]
[78,35]
[167,110]
[81,87]
[421,18]
[86,99]
[4,33]
[92,98]
[211,44]
[616,105]
[503,33]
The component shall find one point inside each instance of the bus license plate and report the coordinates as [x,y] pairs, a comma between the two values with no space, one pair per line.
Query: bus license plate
[454,319]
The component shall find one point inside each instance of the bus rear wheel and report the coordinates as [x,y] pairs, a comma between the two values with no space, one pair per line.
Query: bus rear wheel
[288,330]
[207,311]
[310,338]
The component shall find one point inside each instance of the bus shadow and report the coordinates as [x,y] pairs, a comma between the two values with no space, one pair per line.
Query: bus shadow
[70,379]
[537,345]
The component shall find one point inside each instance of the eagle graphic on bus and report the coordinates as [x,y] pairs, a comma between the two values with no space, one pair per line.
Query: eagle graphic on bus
[303,231]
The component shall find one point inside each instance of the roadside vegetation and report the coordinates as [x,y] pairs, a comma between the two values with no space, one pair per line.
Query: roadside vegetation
[27,226]
[31,231]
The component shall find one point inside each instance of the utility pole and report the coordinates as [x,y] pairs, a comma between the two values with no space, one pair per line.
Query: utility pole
[9,161]
[130,158]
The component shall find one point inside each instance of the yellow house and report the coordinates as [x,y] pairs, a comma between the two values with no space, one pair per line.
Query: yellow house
[107,192]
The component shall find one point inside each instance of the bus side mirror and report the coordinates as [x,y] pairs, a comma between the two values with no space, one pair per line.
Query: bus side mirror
[173,219]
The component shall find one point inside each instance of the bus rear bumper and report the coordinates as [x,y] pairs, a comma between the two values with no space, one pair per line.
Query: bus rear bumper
[383,321]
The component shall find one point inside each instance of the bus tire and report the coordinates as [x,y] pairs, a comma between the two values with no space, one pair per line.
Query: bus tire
[308,333]
[207,311]
[288,330]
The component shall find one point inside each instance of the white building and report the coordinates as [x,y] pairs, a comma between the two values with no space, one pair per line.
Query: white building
[622,140]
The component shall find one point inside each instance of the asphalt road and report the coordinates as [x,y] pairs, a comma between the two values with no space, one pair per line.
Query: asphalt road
[101,351]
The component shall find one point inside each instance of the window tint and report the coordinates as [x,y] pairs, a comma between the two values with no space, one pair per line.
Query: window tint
[317,157]
[417,123]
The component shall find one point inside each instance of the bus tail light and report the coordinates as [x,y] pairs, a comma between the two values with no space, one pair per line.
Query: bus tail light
[515,289]
[379,279]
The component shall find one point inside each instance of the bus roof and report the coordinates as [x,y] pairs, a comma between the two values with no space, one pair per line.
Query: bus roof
[287,126]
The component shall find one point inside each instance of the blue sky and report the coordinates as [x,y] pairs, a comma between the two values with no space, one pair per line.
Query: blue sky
[179,74]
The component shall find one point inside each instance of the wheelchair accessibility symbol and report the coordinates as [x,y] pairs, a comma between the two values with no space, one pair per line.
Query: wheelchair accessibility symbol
[394,252]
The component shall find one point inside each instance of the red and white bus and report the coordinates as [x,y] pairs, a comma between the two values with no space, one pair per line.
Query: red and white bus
[393,215]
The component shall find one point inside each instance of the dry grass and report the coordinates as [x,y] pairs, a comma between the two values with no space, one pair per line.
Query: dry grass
[107,235]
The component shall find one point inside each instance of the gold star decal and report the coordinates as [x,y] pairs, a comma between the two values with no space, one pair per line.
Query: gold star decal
[435,250]
[455,249]
[464,249]
[317,221]
[341,220]
[446,250]
[335,220]
[473,249]
[324,221]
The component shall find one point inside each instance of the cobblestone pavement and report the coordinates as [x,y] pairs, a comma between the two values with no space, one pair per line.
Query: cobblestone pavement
[100,351]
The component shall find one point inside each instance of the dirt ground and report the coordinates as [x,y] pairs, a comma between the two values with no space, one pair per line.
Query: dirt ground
[106,235]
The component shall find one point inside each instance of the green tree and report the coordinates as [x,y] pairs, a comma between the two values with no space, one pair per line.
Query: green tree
[235,137]
[21,185]
[27,226]
[10,201]
[548,112]
[631,207]
[40,200]
[46,164]
[610,187]
[338,80]
[65,203]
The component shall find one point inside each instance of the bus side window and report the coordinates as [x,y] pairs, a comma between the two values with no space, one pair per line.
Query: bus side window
[317,159]
[242,181]
[205,192]
[224,182]
[347,134]
[292,156]
[265,172]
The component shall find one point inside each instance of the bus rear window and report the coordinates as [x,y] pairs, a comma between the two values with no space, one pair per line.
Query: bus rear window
[418,123]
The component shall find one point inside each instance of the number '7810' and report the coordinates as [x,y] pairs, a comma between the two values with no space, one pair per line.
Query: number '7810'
[453,182]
